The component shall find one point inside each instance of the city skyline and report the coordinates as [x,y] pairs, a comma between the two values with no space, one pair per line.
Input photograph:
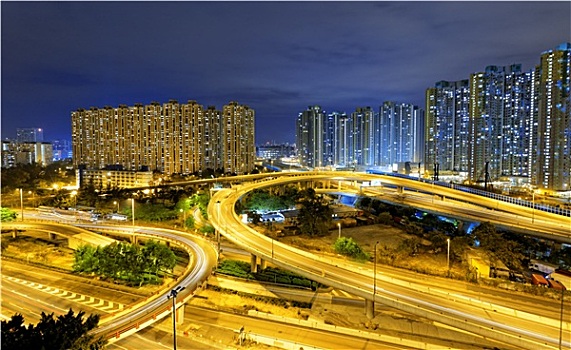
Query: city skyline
[277,58]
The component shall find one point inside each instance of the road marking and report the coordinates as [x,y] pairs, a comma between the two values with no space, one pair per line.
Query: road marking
[96,303]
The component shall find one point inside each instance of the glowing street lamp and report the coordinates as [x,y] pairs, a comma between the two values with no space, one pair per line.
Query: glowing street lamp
[448,256]
[339,225]
[117,204]
[133,210]
[22,204]
[375,278]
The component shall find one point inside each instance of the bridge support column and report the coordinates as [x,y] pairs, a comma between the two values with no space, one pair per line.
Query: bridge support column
[179,314]
[51,236]
[400,189]
[134,239]
[15,233]
[253,264]
[263,264]
[369,309]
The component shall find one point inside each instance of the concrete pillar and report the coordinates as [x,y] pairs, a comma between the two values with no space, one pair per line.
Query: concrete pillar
[134,239]
[179,314]
[15,233]
[253,264]
[263,264]
[369,309]
[51,236]
[400,189]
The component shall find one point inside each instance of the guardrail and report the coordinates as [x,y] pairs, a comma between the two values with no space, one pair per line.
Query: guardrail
[497,196]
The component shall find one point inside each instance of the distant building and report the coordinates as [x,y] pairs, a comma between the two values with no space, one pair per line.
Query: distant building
[29,135]
[273,151]
[505,123]
[108,179]
[364,138]
[14,153]
[171,138]
[551,163]
[61,150]
[401,133]
[447,126]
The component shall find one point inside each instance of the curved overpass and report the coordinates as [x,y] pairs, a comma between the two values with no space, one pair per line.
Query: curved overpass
[524,331]
[130,320]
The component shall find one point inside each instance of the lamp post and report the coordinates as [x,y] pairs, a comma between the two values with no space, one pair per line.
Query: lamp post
[117,204]
[133,210]
[173,293]
[533,207]
[218,231]
[375,277]
[339,225]
[22,204]
[448,257]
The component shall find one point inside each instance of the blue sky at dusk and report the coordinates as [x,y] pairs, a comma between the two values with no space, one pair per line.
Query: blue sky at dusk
[276,57]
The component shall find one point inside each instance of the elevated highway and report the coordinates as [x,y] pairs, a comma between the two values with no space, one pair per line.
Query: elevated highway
[116,326]
[526,331]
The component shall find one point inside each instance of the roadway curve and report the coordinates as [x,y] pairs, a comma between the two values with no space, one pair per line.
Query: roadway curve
[117,326]
[524,331]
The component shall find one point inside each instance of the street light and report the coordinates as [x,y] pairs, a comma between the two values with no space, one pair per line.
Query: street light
[22,204]
[375,278]
[117,204]
[339,225]
[133,210]
[533,207]
[173,293]
[218,231]
[448,257]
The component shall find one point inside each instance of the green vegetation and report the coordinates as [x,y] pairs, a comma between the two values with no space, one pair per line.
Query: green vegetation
[125,261]
[270,199]
[241,269]
[7,214]
[347,246]
[65,332]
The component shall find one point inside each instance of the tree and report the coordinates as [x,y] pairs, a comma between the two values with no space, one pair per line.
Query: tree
[7,214]
[498,248]
[347,246]
[159,256]
[314,214]
[85,259]
[68,331]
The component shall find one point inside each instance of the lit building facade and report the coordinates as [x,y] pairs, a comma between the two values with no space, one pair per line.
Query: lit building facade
[356,140]
[552,120]
[29,135]
[500,100]
[170,138]
[14,153]
[505,122]
[447,134]
[401,134]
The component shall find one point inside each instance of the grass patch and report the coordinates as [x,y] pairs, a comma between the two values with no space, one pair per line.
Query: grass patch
[241,269]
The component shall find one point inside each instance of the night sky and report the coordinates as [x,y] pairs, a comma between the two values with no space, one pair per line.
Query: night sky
[276,57]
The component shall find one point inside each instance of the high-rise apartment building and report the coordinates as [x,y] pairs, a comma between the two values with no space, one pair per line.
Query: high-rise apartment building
[29,135]
[340,140]
[238,141]
[366,137]
[310,126]
[401,133]
[171,138]
[447,133]
[552,122]
[505,122]
[499,122]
